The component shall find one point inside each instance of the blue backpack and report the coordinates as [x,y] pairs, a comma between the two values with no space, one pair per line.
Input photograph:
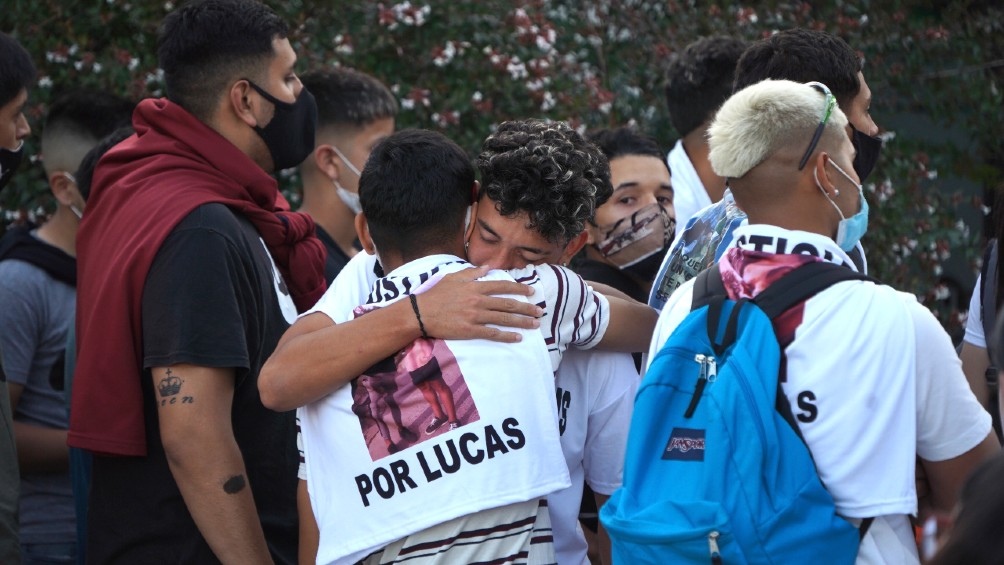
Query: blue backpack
[716,470]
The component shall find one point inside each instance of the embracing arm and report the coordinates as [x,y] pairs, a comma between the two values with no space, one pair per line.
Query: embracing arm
[631,326]
[193,406]
[316,356]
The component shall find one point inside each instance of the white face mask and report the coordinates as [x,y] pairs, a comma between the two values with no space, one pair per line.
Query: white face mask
[76,211]
[849,230]
[350,199]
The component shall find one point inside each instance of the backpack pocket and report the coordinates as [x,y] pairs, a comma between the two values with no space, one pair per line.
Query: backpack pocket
[670,532]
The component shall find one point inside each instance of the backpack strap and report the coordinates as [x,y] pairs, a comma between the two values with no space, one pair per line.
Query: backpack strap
[707,285]
[802,283]
[709,290]
[798,285]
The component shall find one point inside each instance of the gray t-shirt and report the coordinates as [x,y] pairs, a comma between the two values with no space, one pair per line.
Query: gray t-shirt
[34,320]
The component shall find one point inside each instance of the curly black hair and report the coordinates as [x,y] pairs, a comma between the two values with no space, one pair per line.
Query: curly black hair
[547,171]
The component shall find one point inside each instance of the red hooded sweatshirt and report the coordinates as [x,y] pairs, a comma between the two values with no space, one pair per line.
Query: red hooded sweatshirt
[142,189]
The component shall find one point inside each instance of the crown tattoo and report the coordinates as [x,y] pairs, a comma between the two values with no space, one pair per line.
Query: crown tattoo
[169,385]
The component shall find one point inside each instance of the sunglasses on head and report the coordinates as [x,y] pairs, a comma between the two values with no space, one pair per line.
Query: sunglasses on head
[828,105]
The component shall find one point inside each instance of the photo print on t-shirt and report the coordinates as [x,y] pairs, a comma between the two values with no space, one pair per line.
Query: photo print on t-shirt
[416,395]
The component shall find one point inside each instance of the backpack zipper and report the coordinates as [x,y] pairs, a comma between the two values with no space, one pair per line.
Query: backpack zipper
[716,557]
[707,373]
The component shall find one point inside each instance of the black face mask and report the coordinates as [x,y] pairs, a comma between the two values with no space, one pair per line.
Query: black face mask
[9,161]
[648,268]
[289,136]
[868,149]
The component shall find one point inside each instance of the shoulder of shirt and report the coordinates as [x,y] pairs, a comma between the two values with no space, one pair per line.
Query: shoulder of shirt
[212,218]
[17,273]
[212,215]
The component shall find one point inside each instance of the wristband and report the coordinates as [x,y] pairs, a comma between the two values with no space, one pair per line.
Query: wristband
[414,306]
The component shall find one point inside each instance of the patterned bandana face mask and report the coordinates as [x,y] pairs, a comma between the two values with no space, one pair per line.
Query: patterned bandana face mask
[631,240]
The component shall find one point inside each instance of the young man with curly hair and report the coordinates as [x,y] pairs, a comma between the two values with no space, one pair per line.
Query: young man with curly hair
[541,184]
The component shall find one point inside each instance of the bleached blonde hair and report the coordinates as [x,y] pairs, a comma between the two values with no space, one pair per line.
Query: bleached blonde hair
[762,118]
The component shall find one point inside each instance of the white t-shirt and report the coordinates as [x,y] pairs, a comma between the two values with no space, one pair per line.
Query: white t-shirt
[372,484]
[874,382]
[689,194]
[974,325]
[595,397]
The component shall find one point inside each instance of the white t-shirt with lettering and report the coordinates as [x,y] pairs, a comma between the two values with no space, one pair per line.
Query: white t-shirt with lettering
[874,382]
[370,484]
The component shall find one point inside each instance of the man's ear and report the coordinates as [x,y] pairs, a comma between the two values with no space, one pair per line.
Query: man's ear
[324,158]
[574,246]
[363,232]
[822,176]
[244,106]
[63,190]
[469,228]
[475,190]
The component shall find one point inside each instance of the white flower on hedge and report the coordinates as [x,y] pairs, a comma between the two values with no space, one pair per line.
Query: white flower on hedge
[447,55]
[516,69]
[549,102]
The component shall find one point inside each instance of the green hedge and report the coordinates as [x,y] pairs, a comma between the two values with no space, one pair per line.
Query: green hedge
[461,66]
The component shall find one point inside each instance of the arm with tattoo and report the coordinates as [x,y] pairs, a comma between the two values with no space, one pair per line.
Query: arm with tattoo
[193,406]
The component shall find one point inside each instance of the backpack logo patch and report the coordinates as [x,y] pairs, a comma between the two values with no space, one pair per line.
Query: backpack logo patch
[685,444]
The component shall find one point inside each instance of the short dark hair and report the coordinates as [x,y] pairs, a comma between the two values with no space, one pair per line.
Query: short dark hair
[415,190]
[85,172]
[17,72]
[347,97]
[76,121]
[92,113]
[618,142]
[546,170]
[802,55]
[699,80]
[206,45]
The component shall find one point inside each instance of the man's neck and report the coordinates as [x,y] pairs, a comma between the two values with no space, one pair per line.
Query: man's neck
[321,202]
[696,145]
[61,231]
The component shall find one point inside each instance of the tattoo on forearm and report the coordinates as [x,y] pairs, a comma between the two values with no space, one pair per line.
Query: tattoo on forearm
[234,484]
[169,388]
